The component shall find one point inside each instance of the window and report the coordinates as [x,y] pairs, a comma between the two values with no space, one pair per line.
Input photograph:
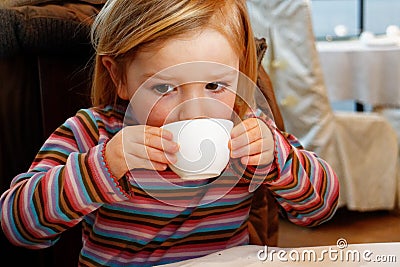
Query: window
[379,14]
[348,18]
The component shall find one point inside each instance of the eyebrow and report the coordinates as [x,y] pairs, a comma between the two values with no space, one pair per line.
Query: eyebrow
[166,77]
[229,73]
[156,75]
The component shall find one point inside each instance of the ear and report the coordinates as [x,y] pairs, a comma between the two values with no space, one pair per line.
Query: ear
[112,68]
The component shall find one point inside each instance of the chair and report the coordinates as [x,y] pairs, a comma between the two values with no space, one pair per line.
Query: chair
[44,51]
[361,147]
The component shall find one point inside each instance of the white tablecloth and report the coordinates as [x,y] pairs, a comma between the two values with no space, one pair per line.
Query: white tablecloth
[355,71]
[341,254]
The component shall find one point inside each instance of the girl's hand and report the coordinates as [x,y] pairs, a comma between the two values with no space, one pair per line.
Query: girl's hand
[140,146]
[252,142]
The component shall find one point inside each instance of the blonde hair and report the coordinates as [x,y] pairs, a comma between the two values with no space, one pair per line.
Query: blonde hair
[123,27]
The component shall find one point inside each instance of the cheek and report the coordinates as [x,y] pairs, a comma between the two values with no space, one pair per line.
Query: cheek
[225,103]
[229,99]
[148,111]
[159,114]
[148,108]
[217,105]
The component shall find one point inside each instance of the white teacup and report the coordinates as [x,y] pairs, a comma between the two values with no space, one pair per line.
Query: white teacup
[203,143]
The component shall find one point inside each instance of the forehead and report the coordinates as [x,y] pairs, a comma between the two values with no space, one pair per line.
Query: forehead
[206,46]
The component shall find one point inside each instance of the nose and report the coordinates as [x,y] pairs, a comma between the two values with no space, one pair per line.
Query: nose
[192,102]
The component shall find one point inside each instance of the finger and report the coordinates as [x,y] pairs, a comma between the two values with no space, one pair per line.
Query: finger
[153,141]
[166,134]
[246,138]
[243,127]
[160,156]
[150,136]
[151,154]
[161,132]
[165,143]
[135,163]
[160,143]
[157,131]
[131,133]
[264,158]
[257,147]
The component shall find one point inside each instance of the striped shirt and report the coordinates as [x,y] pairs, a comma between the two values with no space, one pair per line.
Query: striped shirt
[149,217]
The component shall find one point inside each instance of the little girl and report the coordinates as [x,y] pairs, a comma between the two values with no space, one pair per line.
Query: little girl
[91,168]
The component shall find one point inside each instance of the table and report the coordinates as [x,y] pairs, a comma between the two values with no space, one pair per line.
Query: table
[340,254]
[355,71]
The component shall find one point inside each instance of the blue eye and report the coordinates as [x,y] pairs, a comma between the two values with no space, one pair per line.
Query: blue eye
[216,86]
[163,88]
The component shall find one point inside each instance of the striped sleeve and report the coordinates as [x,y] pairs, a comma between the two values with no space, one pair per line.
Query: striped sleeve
[305,186]
[67,180]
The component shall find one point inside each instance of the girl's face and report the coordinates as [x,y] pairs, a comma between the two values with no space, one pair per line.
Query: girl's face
[186,78]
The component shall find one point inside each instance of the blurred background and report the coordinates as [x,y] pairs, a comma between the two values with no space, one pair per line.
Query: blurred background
[334,65]
[349,18]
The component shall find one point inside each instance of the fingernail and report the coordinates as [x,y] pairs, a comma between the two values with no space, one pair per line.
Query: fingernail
[175,147]
[168,135]
[172,158]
